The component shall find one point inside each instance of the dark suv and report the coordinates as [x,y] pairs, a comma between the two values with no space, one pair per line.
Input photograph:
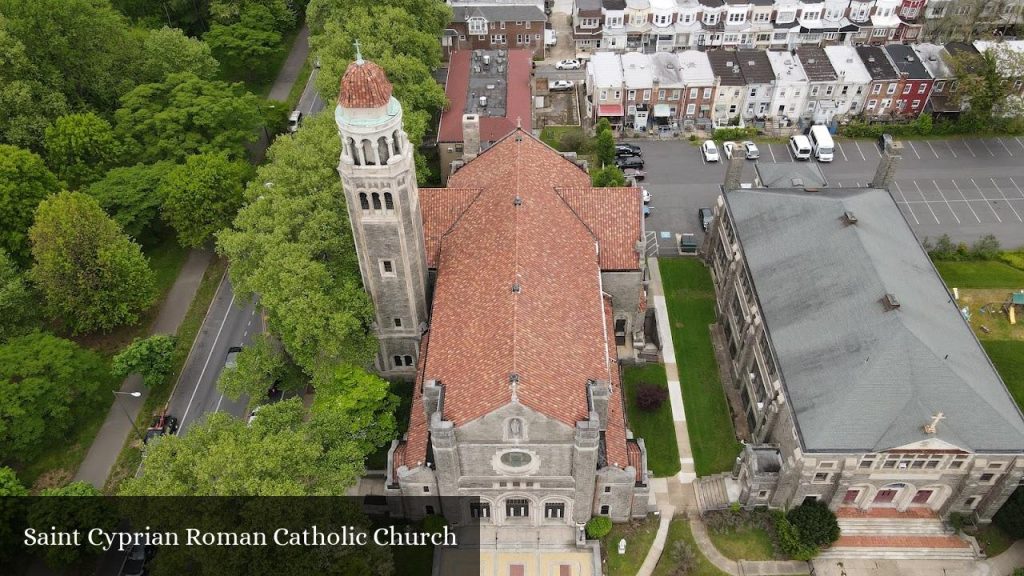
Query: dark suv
[628,150]
[624,162]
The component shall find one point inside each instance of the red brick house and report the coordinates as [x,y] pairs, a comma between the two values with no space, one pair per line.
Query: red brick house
[500,27]
[915,82]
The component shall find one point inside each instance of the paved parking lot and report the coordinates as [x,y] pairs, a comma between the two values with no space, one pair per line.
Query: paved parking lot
[964,187]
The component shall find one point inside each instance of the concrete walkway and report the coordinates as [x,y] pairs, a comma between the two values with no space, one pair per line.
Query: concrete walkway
[289,72]
[654,554]
[119,422]
[1007,562]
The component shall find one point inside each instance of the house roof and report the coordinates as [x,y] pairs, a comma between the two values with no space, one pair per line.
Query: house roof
[756,67]
[606,70]
[665,69]
[725,65]
[860,375]
[614,4]
[786,67]
[696,68]
[525,227]
[588,5]
[933,57]
[636,70]
[848,64]
[495,121]
[877,63]
[816,64]
[364,85]
[957,48]
[908,62]
[499,13]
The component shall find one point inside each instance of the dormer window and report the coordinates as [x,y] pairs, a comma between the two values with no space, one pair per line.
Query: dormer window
[477,25]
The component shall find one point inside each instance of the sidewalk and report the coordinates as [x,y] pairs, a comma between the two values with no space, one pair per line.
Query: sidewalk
[115,430]
[289,72]
[1005,563]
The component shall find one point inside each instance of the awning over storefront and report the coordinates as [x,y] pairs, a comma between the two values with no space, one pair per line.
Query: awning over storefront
[609,110]
[662,111]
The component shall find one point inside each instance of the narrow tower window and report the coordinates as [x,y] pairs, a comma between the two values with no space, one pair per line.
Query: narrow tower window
[382,150]
[353,151]
[368,155]
[389,201]
[364,202]
[376,201]
[394,142]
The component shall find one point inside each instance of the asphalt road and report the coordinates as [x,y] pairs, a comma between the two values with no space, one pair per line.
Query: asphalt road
[962,187]
[229,322]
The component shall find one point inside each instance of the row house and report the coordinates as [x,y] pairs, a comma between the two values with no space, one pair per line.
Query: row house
[822,85]
[732,87]
[943,102]
[964,20]
[587,18]
[760,79]
[853,80]
[647,91]
[912,16]
[789,91]
[915,84]
[884,80]
[496,27]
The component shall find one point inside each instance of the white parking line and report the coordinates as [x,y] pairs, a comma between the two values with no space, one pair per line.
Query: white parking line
[1019,142]
[990,152]
[772,152]
[933,148]
[206,365]
[928,204]
[1004,147]
[841,151]
[914,149]
[987,203]
[968,146]
[950,148]
[857,144]
[1015,213]
[957,218]
[1018,189]
[701,154]
[909,207]
[957,186]
[839,184]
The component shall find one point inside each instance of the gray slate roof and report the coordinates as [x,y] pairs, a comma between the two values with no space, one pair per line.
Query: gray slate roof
[816,64]
[859,377]
[500,13]
[877,63]
[725,65]
[907,61]
[756,67]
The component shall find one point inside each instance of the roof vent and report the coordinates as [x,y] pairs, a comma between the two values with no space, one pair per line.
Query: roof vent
[517,201]
[513,378]
[910,58]
[729,63]
[871,58]
[797,182]
[890,301]
[516,288]
[849,217]
[810,60]
[750,62]
[735,69]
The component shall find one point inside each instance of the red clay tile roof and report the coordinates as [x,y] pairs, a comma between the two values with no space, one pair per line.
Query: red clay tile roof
[413,451]
[440,208]
[517,98]
[364,85]
[614,216]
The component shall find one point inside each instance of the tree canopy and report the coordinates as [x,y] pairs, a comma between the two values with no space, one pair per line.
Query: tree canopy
[259,367]
[46,385]
[86,514]
[354,405]
[150,357]
[203,195]
[292,244]
[184,115]
[17,304]
[90,273]
[168,51]
[249,44]
[80,148]
[24,183]
[609,176]
[133,196]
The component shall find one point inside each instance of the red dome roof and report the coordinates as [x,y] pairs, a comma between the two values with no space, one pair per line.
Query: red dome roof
[364,85]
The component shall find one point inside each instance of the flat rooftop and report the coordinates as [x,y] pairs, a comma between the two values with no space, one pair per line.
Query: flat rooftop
[493,84]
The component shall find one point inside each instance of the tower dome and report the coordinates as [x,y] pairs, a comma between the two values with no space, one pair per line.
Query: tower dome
[364,85]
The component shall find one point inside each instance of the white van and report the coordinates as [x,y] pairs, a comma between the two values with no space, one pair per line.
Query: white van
[821,141]
[800,146]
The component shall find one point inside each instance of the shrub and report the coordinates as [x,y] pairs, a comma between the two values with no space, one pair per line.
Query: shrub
[1015,259]
[571,141]
[1018,571]
[958,520]
[735,133]
[599,527]
[649,397]
[986,248]
[816,525]
[1011,516]
[684,558]
[789,540]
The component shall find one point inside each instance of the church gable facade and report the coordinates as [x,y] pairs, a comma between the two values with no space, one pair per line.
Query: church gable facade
[510,296]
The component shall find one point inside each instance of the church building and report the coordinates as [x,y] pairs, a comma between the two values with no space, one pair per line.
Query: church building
[510,297]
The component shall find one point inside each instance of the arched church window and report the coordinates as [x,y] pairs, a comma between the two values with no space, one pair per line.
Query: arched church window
[353,151]
[368,155]
[389,201]
[364,202]
[382,150]
[376,201]
[394,142]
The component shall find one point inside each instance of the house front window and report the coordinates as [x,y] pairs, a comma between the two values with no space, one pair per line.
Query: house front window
[812,15]
[477,26]
[589,23]
[710,18]
[737,17]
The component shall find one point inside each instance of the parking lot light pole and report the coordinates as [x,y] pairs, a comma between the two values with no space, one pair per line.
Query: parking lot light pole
[130,419]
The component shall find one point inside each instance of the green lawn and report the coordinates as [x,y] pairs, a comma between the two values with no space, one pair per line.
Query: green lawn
[691,308]
[656,428]
[992,539]
[1006,355]
[379,459]
[980,274]
[553,135]
[679,531]
[639,536]
[744,543]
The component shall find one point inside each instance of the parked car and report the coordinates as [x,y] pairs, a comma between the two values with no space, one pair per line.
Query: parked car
[709,150]
[231,361]
[635,174]
[624,162]
[705,215]
[294,121]
[572,64]
[884,141]
[752,153]
[561,85]
[628,150]
[163,423]
[728,147]
[647,210]
[646,195]
[135,563]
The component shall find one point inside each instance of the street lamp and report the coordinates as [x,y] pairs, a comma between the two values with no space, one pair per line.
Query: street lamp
[130,419]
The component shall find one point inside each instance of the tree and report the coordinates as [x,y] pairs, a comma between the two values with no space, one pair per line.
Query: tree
[46,384]
[815,523]
[185,115]
[598,527]
[292,245]
[1010,516]
[9,483]
[169,51]
[189,15]
[354,405]
[203,195]
[26,109]
[133,197]
[249,46]
[259,367]
[91,274]
[80,148]
[608,177]
[24,182]
[17,305]
[605,144]
[150,357]
[77,506]
[986,248]
[280,15]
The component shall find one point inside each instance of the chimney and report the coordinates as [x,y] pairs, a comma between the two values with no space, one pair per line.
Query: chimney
[734,170]
[885,174]
[470,136]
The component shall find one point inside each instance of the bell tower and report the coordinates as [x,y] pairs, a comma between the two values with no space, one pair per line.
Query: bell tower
[378,176]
